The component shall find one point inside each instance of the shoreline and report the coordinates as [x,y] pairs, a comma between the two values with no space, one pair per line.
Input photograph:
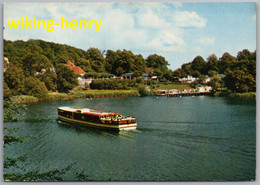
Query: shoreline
[236,95]
[81,94]
[111,94]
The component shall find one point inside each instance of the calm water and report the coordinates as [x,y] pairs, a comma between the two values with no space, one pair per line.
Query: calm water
[188,138]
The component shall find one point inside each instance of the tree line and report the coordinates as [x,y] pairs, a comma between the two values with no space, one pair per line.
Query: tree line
[239,73]
[37,66]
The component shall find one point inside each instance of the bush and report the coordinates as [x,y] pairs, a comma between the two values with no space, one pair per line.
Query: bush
[34,87]
[144,91]
[113,84]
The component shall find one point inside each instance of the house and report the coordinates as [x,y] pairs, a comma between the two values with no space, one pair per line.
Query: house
[83,82]
[204,89]
[145,76]
[149,70]
[127,76]
[76,69]
[189,79]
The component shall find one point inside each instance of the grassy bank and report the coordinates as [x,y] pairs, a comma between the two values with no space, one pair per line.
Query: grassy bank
[171,86]
[80,94]
[239,95]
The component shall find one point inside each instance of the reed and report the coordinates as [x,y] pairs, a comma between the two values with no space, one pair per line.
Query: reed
[238,95]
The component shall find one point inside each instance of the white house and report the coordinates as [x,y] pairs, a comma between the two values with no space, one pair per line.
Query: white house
[189,79]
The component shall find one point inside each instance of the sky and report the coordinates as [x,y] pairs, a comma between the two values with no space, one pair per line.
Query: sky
[178,31]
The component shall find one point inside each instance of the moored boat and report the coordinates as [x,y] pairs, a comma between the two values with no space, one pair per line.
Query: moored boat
[96,118]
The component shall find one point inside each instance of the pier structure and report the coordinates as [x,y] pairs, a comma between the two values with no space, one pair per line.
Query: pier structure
[185,92]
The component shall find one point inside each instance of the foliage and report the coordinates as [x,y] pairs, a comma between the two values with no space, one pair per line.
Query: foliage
[180,73]
[34,87]
[241,75]
[240,71]
[120,62]
[198,64]
[215,82]
[14,79]
[96,59]
[144,90]
[66,79]
[12,108]
[96,75]
[115,83]
[158,63]
[43,60]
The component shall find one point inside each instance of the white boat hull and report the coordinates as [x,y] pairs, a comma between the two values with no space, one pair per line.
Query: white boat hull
[130,126]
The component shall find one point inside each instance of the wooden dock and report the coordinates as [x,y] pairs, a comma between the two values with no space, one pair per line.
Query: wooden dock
[184,92]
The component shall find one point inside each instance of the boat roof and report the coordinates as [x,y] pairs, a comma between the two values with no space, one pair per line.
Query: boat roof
[87,111]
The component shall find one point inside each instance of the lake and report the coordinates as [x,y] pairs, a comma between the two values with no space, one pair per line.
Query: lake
[190,138]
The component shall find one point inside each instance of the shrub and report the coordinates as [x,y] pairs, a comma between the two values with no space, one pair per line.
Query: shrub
[34,87]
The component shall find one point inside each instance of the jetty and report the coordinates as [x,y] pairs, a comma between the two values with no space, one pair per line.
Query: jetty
[204,90]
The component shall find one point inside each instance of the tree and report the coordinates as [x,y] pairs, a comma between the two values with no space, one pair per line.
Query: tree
[66,79]
[239,81]
[121,62]
[14,79]
[215,82]
[138,65]
[157,62]
[34,87]
[212,63]
[198,64]
[241,73]
[119,71]
[50,79]
[196,74]
[225,62]
[212,73]
[96,59]
[12,107]
[179,73]
[187,68]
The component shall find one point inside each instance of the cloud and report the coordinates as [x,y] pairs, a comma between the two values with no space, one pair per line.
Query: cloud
[140,27]
[189,19]
[150,20]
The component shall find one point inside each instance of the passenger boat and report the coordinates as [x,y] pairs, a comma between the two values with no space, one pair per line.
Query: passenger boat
[96,118]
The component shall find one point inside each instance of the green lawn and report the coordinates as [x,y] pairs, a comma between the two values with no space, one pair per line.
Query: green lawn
[172,86]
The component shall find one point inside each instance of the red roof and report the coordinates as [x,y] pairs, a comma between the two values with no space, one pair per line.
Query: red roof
[149,70]
[74,68]
[99,114]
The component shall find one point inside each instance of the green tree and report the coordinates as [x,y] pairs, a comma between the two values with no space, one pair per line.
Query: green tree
[119,71]
[196,74]
[212,63]
[215,82]
[121,62]
[241,73]
[187,68]
[138,65]
[14,79]
[198,64]
[239,81]
[96,59]
[212,73]
[34,87]
[66,79]
[12,107]
[157,62]
[225,62]
[49,78]
[179,73]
